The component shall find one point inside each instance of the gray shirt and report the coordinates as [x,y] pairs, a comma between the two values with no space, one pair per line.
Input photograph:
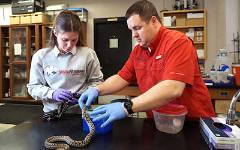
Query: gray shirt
[52,70]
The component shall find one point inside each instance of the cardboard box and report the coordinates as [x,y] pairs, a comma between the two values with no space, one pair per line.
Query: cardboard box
[25,19]
[198,39]
[39,17]
[195,15]
[198,33]
[15,19]
[200,53]
[167,21]
[180,22]
[195,22]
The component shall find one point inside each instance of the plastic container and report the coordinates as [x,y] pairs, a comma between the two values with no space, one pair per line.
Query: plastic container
[98,128]
[170,118]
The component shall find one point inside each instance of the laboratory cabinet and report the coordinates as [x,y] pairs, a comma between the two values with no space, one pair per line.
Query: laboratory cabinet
[17,44]
[221,98]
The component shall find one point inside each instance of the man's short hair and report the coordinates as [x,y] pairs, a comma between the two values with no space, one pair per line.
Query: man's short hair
[144,9]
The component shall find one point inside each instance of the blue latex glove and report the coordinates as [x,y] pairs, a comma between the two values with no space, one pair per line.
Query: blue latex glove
[88,97]
[62,95]
[109,113]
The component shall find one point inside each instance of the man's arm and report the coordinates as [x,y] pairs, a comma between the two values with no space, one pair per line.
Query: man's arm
[158,95]
[113,84]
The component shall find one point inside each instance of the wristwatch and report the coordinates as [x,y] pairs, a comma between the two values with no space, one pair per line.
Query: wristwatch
[128,105]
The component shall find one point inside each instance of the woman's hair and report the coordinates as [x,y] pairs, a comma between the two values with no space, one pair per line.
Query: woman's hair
[67,21]
[144,9]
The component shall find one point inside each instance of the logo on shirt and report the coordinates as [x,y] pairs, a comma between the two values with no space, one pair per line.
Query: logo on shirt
[158,57]
[70,72]
[51,70]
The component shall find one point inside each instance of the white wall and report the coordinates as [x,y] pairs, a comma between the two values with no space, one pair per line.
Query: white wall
[232,23]
[216,29]
[238,16]
[223,21]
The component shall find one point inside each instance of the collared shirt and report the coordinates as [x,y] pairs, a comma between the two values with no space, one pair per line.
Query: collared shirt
[57,52]
[52,70]
[172,57]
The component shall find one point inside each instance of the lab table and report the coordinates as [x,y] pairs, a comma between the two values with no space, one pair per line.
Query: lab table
[127,134]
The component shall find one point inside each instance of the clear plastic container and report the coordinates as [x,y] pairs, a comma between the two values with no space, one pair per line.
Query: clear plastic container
[170,118]
[98,128]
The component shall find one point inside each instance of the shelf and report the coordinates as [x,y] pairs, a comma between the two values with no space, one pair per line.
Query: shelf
[198,42]
[19,78]
[6,65]
[191,22]
[19,62]
[179,27]
[6,99]
[183,11]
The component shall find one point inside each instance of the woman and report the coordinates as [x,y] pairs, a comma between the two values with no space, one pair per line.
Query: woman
[67,66]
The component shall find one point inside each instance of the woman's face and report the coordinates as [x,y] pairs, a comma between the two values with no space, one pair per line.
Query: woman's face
[66,40]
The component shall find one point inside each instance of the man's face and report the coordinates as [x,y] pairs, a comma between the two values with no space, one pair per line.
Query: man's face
[141,31]
[66,40]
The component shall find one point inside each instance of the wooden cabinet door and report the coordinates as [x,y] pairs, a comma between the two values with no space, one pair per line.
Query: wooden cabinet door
[19,61]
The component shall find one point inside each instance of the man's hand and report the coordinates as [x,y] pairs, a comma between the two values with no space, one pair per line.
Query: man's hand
[62,95]
[88,97]
[109,113]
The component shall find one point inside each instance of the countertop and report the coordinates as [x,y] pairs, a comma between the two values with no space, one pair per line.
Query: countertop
[127,134]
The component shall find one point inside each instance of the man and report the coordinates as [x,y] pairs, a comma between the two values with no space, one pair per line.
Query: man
[164,64]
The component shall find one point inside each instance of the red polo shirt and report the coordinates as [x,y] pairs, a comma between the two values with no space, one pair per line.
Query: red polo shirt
[172,57]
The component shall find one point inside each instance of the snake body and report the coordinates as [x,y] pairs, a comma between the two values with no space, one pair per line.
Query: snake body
[50,142]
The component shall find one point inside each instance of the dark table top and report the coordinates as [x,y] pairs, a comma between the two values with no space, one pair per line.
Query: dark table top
[127,134]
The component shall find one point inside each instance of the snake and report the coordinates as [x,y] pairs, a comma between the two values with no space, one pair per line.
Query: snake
[50,143]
